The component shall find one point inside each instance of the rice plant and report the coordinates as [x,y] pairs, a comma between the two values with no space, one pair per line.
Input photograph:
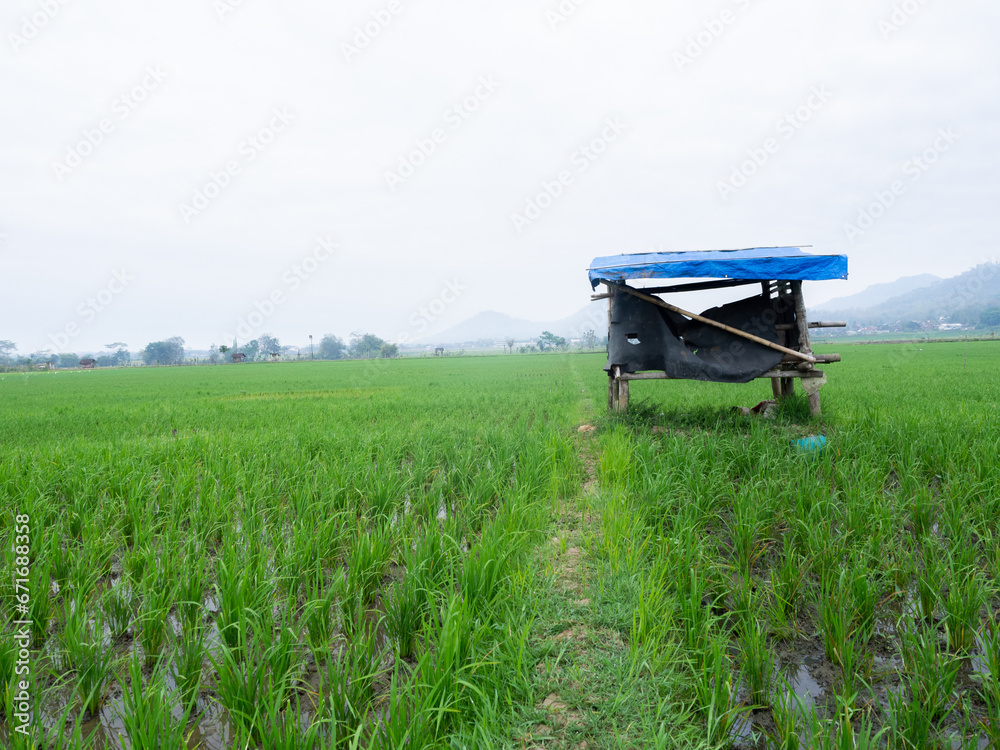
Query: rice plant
[716,686]
[147,709]
[347,685]
[930,673]
[118,607]
[158,596]
[757,663]
[966,596]
[42,606]
[95,664]
[404,612]
[189,658]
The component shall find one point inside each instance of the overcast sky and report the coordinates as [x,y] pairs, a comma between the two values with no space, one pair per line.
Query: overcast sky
[178,164]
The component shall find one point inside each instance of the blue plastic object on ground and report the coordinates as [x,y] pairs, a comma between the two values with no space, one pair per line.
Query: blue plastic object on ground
[811,444]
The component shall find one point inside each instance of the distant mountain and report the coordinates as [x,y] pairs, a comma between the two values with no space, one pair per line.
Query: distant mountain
[496,326]
[961,299]
[876,294]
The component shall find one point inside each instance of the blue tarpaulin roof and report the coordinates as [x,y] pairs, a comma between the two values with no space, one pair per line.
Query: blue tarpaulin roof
[784,263]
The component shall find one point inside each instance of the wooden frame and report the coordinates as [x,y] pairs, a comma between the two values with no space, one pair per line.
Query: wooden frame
[798,363]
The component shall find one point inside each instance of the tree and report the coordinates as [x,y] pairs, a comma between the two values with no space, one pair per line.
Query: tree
[252,349]
[332,347]
[510,344]
[989,319]
[388,351]
[268,345]
[120,355]
[366,345]
[549,340]
[169,352]
[223,349]
[7,348]
[67,359]
[590,339]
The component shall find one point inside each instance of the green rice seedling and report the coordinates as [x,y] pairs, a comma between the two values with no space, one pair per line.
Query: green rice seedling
[715,689]
[855,667]
[118,607]
[834,610]
[42,606]
[190,592]
[281,653]
[240,590]
[135,563]
[243,687]
[317,616]
[930,673]
[909,725]
[290,728]
[929,583]
[756,662]
[844,735]
[96,666]
[786,710]
[158,595]
[617,468]
[395,728]
[369,561]
[147,710]
[347,685]
[990,679]
[404,612]
[8,662]
[433,560]
[487,567]
[924,512]
[786,582]
[74,634]
[865,599]
[61,562]
[966,596]
[189,658]
[744,532]
[695,618]
[444,677]
[653,617]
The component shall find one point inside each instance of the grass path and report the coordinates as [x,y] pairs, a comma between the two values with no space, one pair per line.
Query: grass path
[594,688]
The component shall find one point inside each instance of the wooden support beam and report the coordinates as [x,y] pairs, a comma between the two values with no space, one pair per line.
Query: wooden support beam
[659,375]
[806,357]
[699,286]
[818,324]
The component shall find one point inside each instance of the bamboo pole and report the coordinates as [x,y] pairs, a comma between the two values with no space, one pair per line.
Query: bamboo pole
[708,321]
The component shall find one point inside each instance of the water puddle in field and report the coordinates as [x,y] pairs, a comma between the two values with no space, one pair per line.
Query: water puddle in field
[805,687]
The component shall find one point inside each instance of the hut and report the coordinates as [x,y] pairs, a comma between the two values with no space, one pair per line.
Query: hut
[50,365]
[765,335]
[88,364]
[238,357]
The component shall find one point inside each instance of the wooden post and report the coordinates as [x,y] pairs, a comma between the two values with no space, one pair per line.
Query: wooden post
[804,344]
[622,395]
[814,407]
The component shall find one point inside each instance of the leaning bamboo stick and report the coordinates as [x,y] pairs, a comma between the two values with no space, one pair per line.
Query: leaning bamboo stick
[717,324]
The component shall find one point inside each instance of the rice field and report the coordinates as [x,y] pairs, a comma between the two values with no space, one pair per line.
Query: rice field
[428,553]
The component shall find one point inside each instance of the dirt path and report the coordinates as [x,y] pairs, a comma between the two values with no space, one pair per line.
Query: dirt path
[568,715]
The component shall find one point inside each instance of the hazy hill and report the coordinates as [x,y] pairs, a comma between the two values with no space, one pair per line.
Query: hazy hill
[960,299]
[876,294]
[494,325]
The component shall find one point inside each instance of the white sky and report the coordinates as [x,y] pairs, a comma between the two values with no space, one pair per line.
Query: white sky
[685,127]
